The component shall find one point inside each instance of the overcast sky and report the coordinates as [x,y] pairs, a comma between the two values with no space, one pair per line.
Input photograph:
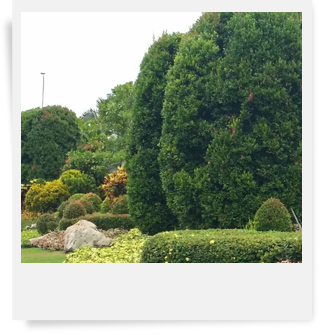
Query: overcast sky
[85,55]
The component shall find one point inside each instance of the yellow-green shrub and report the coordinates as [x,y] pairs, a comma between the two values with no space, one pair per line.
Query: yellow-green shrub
[126,248]
[26,236]
[47,197]
[78,182]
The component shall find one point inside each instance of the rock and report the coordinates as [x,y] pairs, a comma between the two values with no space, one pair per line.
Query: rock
[84,233]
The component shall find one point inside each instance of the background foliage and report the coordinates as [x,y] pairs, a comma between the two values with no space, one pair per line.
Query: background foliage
[46,136]
[147,201]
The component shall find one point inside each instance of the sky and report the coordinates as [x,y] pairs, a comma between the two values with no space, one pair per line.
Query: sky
[85,55]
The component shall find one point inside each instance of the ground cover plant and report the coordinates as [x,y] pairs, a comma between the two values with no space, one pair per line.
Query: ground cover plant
[126,248]
[26,236]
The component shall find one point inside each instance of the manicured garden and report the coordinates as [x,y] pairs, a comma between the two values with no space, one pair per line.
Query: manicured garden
[197,161]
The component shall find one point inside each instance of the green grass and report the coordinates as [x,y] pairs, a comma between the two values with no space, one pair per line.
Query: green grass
[37,255]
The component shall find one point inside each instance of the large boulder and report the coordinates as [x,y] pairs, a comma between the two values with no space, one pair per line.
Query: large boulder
[84,233]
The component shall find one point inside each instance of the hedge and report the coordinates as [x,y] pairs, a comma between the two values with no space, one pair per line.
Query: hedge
[102,221]
[223,246]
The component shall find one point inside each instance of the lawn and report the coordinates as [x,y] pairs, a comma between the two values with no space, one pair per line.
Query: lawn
[37,255]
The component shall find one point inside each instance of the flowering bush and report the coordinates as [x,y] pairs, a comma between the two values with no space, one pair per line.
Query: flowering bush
[115,184]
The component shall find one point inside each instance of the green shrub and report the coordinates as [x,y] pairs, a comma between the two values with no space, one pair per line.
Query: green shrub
[77,196]
[61,208]
[94,199]
[223,246]
[102,221]
[272,215]
[26,236]
[87,205]
[47,197]
[232,119]
[105,206]
[78,182]
[47,134]
[74,209]
[46,223]
[147,201]
[126,248]
[121,206]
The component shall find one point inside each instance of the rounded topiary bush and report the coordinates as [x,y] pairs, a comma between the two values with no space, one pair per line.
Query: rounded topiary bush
[46,223]
[94,199]
[87,205]
[46,198]
[105,206]
[64,224]
[77,196]
[74,209]
[121,206]
[272,215]
[78,182]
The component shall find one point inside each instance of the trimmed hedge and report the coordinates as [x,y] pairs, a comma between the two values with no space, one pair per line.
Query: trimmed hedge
[102,221]
[223,246]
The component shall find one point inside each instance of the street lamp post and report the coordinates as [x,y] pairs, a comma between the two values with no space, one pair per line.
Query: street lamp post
[42,87]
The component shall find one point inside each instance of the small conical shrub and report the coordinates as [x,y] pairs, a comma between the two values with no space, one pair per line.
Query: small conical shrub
[272,215]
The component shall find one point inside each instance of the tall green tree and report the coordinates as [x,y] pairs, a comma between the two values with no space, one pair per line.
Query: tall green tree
[147,201]
[46,136]
[104,132]
[231,135]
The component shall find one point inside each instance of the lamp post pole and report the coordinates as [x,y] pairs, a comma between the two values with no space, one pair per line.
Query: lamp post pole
[42,87]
